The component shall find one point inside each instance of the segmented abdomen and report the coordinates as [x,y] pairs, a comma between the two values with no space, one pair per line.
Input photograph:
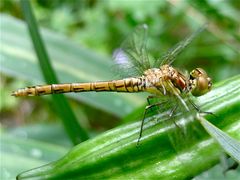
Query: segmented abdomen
[124,85]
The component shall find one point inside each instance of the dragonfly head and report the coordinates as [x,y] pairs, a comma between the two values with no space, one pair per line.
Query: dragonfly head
[200,82]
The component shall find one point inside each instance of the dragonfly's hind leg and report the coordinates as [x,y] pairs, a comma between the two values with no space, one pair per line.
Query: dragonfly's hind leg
[150,97]
[147,108]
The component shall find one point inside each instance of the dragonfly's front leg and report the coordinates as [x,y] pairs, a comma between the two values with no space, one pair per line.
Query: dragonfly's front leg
[199,110]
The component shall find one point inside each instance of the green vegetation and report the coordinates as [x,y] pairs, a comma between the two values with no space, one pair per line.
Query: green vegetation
[114,154]
[80,37]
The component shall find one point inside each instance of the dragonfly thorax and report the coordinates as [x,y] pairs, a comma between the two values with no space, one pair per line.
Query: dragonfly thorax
[165,80]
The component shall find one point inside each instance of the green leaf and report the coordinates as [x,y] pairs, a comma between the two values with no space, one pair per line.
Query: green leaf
[72,63]
[20,154]
[230,145]
[114,153]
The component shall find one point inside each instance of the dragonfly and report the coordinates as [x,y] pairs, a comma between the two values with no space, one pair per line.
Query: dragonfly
[139,73]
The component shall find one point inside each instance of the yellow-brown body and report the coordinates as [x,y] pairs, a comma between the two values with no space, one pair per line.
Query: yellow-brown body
[165,80]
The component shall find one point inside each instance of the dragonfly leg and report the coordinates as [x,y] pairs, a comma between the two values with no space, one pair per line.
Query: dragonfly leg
[148,100]
[153,97]
[164,89]
[150,97]
[178,126]
[171,114]
[199,110]
[172,111]
[144,116]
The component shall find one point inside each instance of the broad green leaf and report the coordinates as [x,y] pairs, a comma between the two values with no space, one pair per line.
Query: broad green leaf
[72,63]
[20,154]
[114,153]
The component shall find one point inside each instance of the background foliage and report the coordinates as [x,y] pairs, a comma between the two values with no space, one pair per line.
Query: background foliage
[89,32]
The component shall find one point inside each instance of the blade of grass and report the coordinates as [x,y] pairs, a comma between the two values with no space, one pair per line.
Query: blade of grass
[74,130]
[230,145]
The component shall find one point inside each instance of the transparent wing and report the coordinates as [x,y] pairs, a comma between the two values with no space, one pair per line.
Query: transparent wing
[180,113]
[131,58]
[170,56]
[184,130]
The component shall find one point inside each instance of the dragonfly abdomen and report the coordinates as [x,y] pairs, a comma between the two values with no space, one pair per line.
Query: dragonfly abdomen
[124,85]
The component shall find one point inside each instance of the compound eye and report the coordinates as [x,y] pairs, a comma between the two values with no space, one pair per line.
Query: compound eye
[202,83]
